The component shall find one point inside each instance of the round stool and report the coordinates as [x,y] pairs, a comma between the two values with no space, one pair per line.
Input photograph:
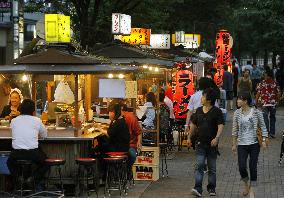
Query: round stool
[115,174]
[25,166]
[55,162]
[163,151]
[87,167]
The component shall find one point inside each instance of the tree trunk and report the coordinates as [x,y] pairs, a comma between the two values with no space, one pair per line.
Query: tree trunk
[265,61]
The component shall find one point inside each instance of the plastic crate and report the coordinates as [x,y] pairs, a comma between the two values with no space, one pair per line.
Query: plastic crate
[153,160]
[146,176]
[3,163]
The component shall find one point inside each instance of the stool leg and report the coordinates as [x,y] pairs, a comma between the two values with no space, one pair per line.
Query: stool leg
[106,182]
[47,179]
[162,163]
[94,180]
[60,178]
[88,190]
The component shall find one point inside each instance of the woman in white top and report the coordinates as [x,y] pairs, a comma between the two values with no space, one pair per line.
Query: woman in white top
[246,121]
[150,114]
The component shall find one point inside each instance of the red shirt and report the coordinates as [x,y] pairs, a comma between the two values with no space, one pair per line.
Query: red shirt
[268,92]
[134,128]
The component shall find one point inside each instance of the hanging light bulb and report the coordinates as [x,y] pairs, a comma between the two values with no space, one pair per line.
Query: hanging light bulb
[120,76]
[24,78]
[150,68]
[156,69]
[145,66]
[110,76]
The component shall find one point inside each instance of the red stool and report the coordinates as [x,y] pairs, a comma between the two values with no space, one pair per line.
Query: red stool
[55,162]
[89,167]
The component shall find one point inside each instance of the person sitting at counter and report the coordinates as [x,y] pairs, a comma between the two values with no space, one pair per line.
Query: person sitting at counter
[117,133]
[11,110]
[149,116]
[25,131]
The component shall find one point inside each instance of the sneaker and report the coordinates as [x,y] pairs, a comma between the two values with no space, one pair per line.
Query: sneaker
[195,192]
[212,192]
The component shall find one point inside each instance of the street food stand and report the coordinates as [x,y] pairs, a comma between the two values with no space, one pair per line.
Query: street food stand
[72,141]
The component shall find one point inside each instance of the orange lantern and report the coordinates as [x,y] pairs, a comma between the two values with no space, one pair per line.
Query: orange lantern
[183,88]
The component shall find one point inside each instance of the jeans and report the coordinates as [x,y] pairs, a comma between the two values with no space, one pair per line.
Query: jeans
[204,152]
[132,154]
[243,152]
[269,122]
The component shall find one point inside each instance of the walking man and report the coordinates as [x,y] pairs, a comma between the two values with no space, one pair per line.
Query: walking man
[208,124]
[255,77]
[268,95]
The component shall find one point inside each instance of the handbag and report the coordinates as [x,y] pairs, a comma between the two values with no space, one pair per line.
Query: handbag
[259,137]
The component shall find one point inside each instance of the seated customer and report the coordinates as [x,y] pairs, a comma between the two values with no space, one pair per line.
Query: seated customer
[135,133]
[25,131]
[117,133]
[149,117]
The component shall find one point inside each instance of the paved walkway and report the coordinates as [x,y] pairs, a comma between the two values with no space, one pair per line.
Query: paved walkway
[181,170]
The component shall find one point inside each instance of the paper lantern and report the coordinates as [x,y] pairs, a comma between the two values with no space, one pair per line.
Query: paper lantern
[57,28]
[160,41]
[224,44]
[183,88]
[121,24]
[190,40]
[138,36]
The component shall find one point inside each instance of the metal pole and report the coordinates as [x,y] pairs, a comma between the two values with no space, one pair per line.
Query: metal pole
[76,113]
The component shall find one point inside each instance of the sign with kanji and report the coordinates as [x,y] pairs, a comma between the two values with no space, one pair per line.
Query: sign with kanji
[5,6]
[183,88]
[121,24]
[224,44]
[190,40]
[138,36]
[57,28]
[160,41]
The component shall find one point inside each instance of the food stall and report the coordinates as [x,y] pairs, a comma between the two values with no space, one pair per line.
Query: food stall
[73,140]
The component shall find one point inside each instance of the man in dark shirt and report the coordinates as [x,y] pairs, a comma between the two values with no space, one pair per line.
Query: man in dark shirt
[228,86]
[208,124]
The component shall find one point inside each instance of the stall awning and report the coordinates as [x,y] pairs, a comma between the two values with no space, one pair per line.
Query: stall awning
[65,69]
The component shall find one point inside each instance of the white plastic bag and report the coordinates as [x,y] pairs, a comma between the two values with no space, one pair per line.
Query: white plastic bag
[63,93]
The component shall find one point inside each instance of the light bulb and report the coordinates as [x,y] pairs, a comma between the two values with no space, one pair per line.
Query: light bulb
[156,69]
[25,78]
[150,68]
[145,66]
[120,76]
[110,76]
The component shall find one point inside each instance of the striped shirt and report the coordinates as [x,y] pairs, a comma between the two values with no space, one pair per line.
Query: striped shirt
[245,127]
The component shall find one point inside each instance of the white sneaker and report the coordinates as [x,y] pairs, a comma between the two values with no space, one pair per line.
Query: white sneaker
[195,192]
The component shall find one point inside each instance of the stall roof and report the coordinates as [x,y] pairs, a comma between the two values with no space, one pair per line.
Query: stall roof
[65,69]
[58,56]
[121,53]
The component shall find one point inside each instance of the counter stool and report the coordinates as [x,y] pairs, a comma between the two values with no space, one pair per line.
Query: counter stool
[115,174]
[22,179]
[87,168]
[124,167]
[55,162]
[163,151]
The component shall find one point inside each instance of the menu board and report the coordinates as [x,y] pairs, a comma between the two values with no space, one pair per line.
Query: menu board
[160,41]
[111,88]
[130,89]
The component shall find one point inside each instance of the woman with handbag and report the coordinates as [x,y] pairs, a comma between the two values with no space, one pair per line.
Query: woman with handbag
[246,122]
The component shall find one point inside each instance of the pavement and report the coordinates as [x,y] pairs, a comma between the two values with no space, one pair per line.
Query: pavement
[181,171]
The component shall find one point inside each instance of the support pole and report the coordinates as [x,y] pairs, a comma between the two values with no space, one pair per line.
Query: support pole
[76,132]
[88,94]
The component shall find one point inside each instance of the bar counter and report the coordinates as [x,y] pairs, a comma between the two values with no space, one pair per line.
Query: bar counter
[59,144]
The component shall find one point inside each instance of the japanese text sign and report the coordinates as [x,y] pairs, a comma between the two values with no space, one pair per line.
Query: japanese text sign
[138,36]
[121,24]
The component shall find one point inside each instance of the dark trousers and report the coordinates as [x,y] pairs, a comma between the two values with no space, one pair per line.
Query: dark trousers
[204,152]
[269,118]
[243,152]
[35,155]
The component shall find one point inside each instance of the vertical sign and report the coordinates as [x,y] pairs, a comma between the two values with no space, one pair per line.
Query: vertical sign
[160,41]
[121,24]
[183,88]
[138,36]
[180,37]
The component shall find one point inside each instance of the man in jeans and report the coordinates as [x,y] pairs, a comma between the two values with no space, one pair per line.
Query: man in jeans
[208,124]
[267,96]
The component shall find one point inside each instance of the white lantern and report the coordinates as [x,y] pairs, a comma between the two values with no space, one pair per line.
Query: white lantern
[121,24]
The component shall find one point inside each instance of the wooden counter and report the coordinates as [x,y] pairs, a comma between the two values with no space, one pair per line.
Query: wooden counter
[59,144]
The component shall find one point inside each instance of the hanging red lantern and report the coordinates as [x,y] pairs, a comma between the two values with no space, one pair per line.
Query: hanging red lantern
[224,44]
[183,88]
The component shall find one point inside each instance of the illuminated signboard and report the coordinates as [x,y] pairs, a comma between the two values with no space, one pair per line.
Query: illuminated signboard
[160,41]
[121,24]
[57,28]
[190,40]
[138,36]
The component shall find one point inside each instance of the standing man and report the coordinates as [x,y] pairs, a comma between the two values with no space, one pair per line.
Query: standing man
[268,95]
[135,133]
[255,77]
[228,81]
[208,122]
